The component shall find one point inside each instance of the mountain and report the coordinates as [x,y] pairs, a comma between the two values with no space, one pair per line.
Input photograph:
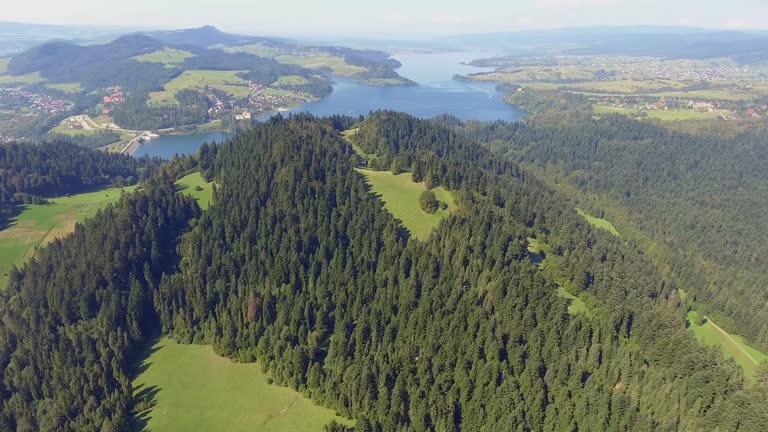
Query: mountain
[207,36]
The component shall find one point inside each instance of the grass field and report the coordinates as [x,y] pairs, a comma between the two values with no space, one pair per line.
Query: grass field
[668,115]
[319,61]
[599,223]
[255,49]
[66,87]
[198,79]
[30,78]
[188,185]
[4,65]
[37,225]
[290,80]
[733,346]
[165,56]
[196,390]
[401,197]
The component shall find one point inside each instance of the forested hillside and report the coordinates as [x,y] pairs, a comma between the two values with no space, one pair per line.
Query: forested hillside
[699,198]
[32,172]
[297,265]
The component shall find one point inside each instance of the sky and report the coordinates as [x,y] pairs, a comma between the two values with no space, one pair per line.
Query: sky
[390,18]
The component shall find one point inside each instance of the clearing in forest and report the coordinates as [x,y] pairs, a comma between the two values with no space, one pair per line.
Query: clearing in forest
[195,185]
[540,253]
[733,346]
[194,389]
[226,81]
[401,194]
[165,56]
[598,222]
[37,225]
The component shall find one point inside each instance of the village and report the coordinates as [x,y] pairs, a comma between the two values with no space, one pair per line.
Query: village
[17,98]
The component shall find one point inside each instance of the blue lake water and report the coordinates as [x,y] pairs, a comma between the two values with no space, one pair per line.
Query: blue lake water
[437,93]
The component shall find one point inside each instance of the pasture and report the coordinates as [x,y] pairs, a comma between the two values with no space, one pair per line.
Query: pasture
[37,225]
[400,195]
[4,65]
[30,78]
[194,389]
[166,56]
[663,115]
[189,185]
[66,87]
[732,346]
[598,222]
[226,81]
[323,61]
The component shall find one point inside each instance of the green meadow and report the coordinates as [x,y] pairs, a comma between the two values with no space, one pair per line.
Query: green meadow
[194,389]
[30,78]
[732,346]
[323,61]
[165,56]
[290,80]
[190,184]
[400,195]
[66,87]
[4,65]
[226,81]
[598,222]
[663,115]
[37,225]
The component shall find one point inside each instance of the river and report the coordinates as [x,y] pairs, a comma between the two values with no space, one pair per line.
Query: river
[437,93]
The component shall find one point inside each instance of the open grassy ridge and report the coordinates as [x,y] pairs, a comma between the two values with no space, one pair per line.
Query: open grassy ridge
[196,390]
[37,225]
[400,195]
[190,184]
[733,346]
[599,223]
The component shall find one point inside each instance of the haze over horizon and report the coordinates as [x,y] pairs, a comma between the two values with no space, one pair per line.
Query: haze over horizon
[395,19]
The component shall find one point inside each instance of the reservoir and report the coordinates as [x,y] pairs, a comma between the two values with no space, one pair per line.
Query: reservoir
[437,93]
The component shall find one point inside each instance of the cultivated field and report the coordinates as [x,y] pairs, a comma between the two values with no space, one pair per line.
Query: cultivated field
[189,184]
[733,346]
[165,56]
[196,390]
[401,197]
[198,79]
[599,223]
[37,225]
[663,115]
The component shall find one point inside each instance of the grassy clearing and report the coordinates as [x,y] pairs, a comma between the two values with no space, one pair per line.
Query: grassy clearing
[260,50]
[199,79]
[30,78]
[196,390]
[663,115]
[540,251]
[733,346]
[66,87]
[4,65]
[321,61]
[189,185]
[165,56]
[599,223]
[290,80]
[400,195]
[37,225]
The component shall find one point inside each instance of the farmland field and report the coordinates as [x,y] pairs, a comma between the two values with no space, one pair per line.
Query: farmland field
[65,87]
[165,55]
[30,78]
[599,223]
[196,390]
[188,185]
[401,197]
[37,225]
[663,115]
[733,346]
[198,79]
[319,61]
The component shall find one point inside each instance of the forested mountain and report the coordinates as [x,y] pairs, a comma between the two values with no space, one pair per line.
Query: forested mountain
[700,198]
[33,172]
[298,265]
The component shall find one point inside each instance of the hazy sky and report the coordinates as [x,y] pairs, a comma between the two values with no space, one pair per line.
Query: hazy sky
[390,18]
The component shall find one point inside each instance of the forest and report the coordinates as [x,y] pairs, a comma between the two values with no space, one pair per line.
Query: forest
[699,198]
[298,266]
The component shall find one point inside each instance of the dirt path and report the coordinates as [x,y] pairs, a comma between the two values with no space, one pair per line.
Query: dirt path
[733,340]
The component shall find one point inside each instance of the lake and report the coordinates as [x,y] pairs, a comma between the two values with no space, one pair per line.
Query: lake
[436,94]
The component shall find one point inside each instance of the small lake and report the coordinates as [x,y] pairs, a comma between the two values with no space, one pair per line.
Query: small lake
[437,93]
[167,146]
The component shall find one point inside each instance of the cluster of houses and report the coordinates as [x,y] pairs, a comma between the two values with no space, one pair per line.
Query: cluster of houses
[114,97]
[36,102]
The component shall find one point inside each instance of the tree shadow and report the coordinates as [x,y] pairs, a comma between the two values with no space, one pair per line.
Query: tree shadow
[144,396]
[9,219]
